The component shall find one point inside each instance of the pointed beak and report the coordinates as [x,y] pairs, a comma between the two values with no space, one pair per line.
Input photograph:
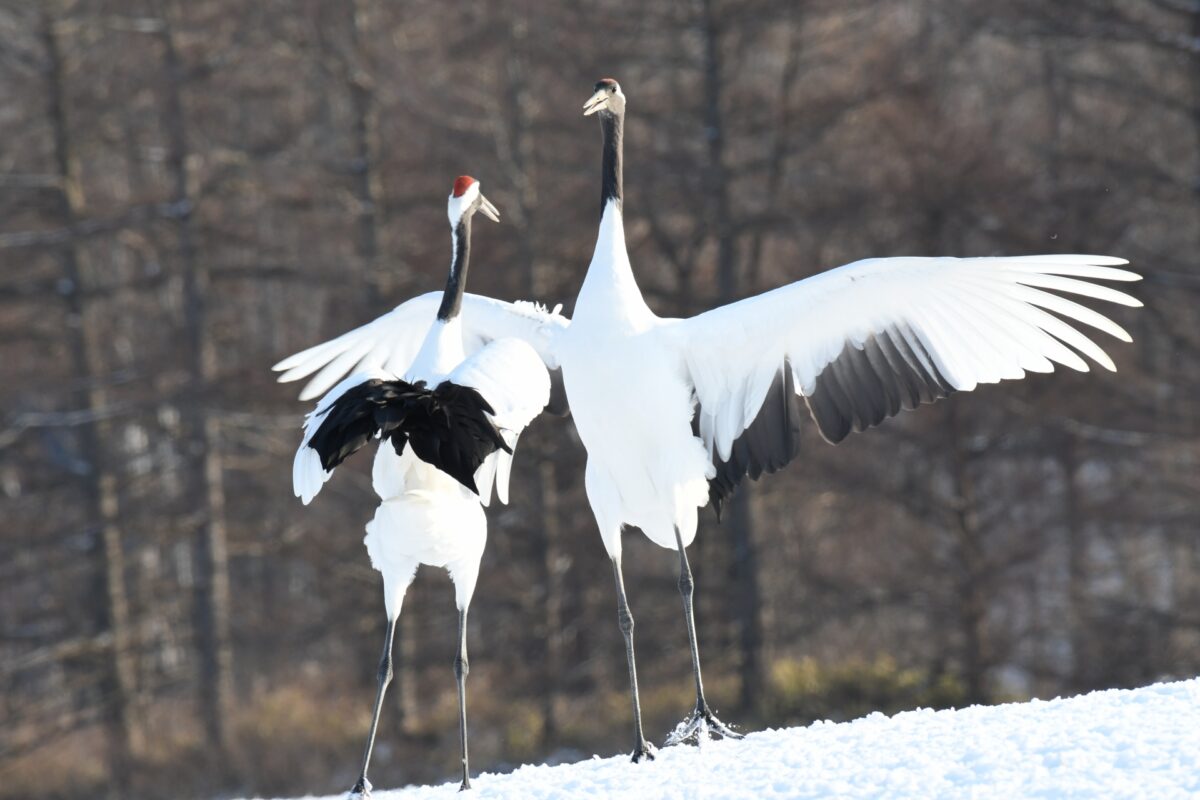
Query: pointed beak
[595,103]
[488,209]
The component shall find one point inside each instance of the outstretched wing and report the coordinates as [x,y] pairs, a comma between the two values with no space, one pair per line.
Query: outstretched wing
[512,377]
[390,343]
[861,342]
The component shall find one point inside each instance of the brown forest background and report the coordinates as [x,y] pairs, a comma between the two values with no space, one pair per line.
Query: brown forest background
[190,191]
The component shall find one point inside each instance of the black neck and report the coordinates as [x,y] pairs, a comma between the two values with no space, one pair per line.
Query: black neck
[456,283]
[612,187]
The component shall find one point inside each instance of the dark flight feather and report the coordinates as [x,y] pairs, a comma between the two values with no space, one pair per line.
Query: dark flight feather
[860,388]
[447,426]
[864,386]
[768,443]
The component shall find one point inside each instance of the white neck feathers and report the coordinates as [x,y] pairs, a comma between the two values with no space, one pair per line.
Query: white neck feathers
[440,353]
[610,290]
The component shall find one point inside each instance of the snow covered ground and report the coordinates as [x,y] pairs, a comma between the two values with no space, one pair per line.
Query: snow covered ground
[1142,743]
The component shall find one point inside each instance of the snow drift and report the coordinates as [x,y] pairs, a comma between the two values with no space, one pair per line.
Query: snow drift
[1142,743]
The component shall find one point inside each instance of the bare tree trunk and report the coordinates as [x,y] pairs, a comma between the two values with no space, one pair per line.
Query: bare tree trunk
[353,72]
[211,607]
[366,188]
[124,737]
[1077,568]
[781,133]
[972,574]
[516,142]
[1196,88]
[1054,104]
[740,521]
[1065,444]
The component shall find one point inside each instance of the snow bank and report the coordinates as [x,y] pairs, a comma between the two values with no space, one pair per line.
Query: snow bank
[1141,743]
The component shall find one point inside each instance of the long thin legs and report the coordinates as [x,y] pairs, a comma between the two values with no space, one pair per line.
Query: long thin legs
[687,588]
[363,787]
[461,668]
[702,720]
[641,748]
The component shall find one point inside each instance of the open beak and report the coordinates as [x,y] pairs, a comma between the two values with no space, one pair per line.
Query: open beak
[488,209]
[595,103]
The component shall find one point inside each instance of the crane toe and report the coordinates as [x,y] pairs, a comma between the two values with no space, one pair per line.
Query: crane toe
[644,751]
[699,726]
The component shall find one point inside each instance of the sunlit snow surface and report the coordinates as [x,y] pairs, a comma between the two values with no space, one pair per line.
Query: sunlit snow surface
[1113,744]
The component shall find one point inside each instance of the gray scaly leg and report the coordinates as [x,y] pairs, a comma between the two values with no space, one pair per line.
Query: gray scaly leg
[363,787]
[461,668]
[641,748]
[702,721]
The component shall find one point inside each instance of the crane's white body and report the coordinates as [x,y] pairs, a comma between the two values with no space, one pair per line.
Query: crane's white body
[644,467]
[634,379]
[426,516]
[460,404]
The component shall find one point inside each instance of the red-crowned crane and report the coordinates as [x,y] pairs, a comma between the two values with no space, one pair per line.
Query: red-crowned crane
[674,413]
[447,424]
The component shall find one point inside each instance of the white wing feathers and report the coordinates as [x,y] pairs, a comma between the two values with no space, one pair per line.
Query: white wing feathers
[391,342]
[869,338]
[512,377]
[858,343]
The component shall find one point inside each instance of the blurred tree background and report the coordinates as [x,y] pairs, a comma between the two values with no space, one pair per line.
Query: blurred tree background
[190,191]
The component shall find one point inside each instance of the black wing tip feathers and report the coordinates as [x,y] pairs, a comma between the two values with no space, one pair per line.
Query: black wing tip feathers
[865,385]
[892,371]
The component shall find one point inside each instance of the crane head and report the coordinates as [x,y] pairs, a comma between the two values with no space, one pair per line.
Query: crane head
[466,199]
[606,96]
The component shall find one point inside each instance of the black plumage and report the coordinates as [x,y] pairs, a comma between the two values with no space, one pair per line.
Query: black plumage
[768,443]
[612,176]
[447,426]
[864,386]
[860,388]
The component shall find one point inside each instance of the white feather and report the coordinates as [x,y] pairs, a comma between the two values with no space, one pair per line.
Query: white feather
[391,342]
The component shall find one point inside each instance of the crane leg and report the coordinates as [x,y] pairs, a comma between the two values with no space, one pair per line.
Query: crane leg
[362,788]
[702,721]
[461,669]
[642,750]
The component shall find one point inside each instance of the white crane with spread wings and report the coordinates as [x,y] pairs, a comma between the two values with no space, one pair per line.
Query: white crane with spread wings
[675,412]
